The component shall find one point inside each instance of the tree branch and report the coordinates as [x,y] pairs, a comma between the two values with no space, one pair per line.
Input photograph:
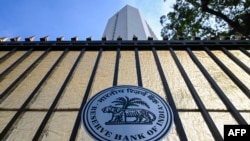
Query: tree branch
[204,6]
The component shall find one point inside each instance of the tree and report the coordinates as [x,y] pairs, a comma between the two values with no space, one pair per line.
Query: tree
[207,18]
[126,102]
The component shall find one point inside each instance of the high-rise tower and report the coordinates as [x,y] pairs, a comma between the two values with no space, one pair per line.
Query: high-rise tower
[126,23]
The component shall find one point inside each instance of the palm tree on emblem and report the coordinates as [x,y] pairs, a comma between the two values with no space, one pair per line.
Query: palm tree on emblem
[126,102]
[135,115]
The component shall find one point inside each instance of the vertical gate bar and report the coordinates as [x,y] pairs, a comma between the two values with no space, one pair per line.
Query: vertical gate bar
[217,89]
[7,55]
[86,95]
[212,127]
[244,51]
[236,60]
[180,129]
[38,134]
[117,60]
[243,87]
[16,63]
[26,103]
[138,68]
[22,76]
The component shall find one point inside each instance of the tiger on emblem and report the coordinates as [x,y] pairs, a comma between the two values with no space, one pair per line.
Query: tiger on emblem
[120,115]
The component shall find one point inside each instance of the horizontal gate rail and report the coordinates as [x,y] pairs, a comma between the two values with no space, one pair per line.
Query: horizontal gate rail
[129,45]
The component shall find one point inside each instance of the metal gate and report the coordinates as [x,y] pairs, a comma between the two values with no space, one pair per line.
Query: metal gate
[45,84]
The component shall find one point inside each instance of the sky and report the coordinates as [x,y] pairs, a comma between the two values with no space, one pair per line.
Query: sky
[70,18]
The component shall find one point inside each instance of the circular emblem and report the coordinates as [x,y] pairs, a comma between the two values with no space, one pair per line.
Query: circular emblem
[127,113]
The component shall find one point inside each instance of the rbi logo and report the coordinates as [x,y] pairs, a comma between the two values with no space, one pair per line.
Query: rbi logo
[127,113]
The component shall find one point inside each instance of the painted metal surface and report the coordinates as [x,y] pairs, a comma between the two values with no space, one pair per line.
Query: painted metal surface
[127,113]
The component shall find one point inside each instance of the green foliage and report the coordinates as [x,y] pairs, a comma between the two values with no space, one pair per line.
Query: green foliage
[207,18]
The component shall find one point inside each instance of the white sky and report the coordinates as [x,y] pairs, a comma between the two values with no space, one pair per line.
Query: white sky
[82,18]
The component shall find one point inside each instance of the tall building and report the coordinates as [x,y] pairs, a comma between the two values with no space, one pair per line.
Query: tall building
[44,85]
[126,23]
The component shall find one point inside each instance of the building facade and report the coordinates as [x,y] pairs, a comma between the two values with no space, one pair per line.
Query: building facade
[127,23]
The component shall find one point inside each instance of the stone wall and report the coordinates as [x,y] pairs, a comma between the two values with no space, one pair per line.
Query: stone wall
[61,122]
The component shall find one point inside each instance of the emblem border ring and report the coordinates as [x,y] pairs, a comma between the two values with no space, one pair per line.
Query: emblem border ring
[86,122]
